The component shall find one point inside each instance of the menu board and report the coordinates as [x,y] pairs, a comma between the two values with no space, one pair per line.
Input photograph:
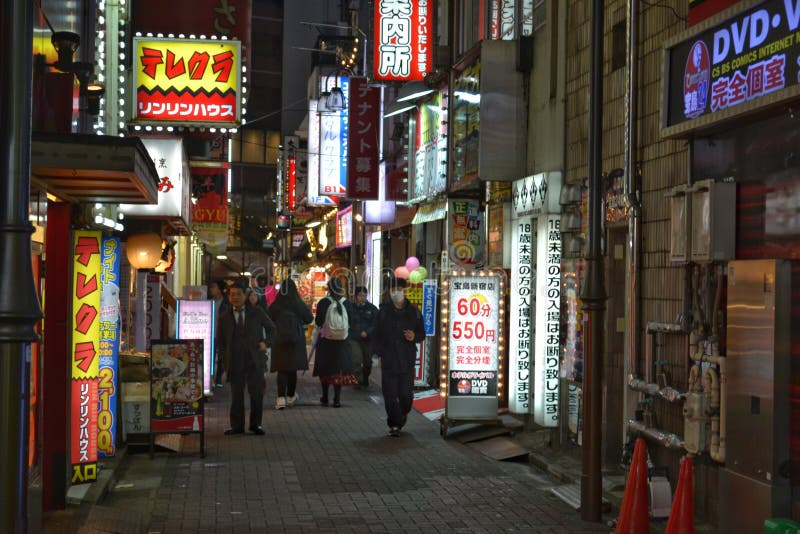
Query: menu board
[176,386]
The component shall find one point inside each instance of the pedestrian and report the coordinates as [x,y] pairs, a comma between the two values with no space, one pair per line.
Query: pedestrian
[290,315]
[398,329]
[245,334]
[256,300]
[362,314]
[333,364]
[216,292]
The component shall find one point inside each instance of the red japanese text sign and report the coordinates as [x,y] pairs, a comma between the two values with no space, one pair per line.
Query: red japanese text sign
[187,81]
[403,39]
[365,125]
[86,290]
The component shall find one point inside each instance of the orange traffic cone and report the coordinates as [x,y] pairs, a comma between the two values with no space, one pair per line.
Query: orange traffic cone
[681,517]
[633,516]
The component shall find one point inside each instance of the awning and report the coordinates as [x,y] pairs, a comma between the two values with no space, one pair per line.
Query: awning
[430,212]
[84,168]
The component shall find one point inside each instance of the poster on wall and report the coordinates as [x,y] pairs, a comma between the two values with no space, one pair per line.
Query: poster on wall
[86,308]
[176,386]
[108,369]
[196,321]
[465,222]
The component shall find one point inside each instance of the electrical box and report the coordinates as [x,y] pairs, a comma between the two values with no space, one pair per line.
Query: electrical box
[695,423]
[712,221]
[678,224]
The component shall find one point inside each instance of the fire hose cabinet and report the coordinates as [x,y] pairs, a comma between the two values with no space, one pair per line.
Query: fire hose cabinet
[712,235]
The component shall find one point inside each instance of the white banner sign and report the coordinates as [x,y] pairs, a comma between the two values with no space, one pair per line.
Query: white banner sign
[195,321]
[522,300]
[548,320]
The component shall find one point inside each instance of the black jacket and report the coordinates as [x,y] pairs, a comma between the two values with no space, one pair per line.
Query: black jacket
[289,356]
[362,319]
[256,323]
[397,354]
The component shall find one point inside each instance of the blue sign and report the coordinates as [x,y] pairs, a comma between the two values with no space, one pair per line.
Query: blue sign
[109,349]
[429,306]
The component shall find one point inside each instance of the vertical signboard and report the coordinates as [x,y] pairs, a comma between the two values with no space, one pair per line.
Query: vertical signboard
[466,233]
[86,289]
[430,148]
[210,211]
[176,386]
[465,122]
[333,142]
[344,227]
[291,171]
[148,309]
[365,127]
[520,347]
[404,39]
[473,336]
[173,184]
[429,287]
[109,349]
[196,321]
[548,321]
[314,197]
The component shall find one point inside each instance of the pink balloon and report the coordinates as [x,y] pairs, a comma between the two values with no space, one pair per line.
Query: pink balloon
[412,263]
[401,272]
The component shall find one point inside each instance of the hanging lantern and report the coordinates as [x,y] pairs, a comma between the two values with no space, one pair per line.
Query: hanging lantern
[144,250]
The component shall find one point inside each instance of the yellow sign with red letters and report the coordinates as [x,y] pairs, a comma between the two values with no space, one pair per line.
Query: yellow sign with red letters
[193,81]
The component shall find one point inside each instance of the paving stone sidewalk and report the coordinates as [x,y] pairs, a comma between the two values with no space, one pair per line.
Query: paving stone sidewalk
[324,469]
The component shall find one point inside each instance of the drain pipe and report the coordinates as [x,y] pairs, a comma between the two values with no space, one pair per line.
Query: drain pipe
[662,437]
[633,339]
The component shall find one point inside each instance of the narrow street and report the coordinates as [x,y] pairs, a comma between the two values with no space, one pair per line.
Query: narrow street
[323,469]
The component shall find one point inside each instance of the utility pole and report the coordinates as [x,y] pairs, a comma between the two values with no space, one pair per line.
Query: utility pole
[593,294]
[19,305]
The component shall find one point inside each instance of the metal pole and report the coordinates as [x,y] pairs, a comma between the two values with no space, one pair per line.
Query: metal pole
[594,294]
[19,308]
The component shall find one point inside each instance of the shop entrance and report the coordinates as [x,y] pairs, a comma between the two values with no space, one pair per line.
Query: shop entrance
[614,353]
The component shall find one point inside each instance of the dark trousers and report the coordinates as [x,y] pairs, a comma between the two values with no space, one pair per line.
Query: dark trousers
[361,351]
[287,383]
[337,392]
[220,368]
[398,396]
[255,387]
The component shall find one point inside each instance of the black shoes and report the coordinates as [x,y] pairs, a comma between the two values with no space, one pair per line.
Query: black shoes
[258,431]
[232,431]
[323,401]
[337,404]
[394,431]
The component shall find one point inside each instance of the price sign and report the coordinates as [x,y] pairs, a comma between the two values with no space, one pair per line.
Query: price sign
[473,335]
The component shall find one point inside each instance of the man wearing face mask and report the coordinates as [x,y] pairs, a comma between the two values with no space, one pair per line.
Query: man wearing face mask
[398,329]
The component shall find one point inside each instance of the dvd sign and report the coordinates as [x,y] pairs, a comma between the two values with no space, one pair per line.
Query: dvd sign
[733,66]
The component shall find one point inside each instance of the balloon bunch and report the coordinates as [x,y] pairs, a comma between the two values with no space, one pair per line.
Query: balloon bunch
[411,271]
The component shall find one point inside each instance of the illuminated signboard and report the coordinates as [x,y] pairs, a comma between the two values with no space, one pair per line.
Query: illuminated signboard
[473,336]
[466,232]
[365,130]
[548,321]
[380,211]
[187,81]
[334,130]
[109,349]
[430,169]
[292,172]
[344,227]
[86,288]
[314,198]
[174,198]
[210,209]
[404,39]
[744,63]
[196,321]
[520,349]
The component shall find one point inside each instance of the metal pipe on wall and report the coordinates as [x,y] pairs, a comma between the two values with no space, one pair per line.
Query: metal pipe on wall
[662,437]
[593,294]
[633,341]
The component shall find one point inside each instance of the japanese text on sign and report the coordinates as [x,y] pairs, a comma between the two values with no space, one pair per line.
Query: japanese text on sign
[521,326]
[548,321]
[403,39]
[362,166]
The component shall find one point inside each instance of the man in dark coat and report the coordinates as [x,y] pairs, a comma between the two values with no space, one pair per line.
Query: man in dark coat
[362,314]
[245,333]
[398,329]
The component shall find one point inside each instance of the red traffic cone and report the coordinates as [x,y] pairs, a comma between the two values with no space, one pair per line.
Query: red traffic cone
[633,515]
[681,517]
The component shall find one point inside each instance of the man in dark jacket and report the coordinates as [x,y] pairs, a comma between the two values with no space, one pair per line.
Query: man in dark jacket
[244,334]
[398,329]
[362,315]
